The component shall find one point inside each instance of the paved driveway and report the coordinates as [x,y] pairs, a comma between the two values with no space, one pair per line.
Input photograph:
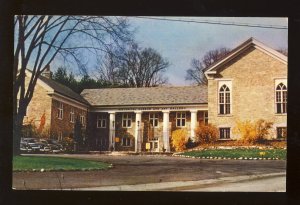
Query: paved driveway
[130,170]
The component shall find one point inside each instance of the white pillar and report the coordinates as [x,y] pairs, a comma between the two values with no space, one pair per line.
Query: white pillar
[138,124]
[112,130]
[193,123]
[166,130]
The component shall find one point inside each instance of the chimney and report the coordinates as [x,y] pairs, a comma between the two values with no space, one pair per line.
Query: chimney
[47,72]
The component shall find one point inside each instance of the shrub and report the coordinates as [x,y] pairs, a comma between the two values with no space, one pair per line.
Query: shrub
[206,133]
[179,139]
[253,132]
[68,144]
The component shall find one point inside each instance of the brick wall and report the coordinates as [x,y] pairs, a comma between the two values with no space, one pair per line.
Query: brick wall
[98,137]
[253,77]
[64,125]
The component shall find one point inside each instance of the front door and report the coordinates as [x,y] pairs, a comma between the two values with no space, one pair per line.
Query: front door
[154,145]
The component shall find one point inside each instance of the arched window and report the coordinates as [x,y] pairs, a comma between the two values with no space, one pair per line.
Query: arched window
[224,100]
[281,98]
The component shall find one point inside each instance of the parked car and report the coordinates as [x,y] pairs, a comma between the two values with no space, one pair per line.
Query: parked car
[53,145]
[29,145]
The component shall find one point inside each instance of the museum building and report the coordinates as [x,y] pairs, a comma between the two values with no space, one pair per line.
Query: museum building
[249,83]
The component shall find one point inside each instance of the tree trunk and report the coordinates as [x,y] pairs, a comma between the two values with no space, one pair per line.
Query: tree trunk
[17,130]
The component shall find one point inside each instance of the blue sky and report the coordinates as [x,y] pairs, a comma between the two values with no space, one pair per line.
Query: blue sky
[179,42]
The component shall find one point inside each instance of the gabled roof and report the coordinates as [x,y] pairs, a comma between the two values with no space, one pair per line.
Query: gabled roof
[251,42]
[61,89]
[146,96]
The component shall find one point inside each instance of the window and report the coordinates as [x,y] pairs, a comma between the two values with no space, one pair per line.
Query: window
[126,142]
[60,136]
[281,132]
[60,110]
[101,122]
[72,115]
[180,119]
[225,133]
[281,98]
[153,119]
[206,118]
[82,119]
[224,100]
[126,120]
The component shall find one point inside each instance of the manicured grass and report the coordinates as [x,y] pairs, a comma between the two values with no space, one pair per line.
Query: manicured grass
[237,153]
[32,163]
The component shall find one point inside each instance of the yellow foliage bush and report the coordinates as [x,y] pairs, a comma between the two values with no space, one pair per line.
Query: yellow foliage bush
[179,139]
[252,132]
[206,133]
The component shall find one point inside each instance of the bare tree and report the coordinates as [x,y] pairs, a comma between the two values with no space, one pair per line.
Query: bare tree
[134,67]
[196,72]
[40,39]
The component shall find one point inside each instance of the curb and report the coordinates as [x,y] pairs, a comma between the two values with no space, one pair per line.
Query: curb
[227,158]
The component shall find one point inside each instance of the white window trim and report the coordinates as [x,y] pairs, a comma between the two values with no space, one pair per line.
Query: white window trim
[72,115]
[101,118]
[154,118]
[60,110]
[181,118]
[277,81]
[129,117]
[228,83]
[82,120]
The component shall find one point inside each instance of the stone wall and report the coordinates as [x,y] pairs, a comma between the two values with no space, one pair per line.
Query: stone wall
[40,104]
[253,77]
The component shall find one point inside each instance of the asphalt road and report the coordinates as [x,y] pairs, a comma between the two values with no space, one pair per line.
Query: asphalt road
[133,170]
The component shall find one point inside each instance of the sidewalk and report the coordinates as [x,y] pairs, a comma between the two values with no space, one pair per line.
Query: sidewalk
[193,185]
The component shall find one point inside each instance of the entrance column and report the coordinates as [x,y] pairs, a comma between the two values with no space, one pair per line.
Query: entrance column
[112,130]
[138,124]
[166,130]
[193,123]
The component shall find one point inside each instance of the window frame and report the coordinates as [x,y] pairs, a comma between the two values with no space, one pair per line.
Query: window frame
[281,98]
[205,117]
[127,119]
[277,132]
[102,119]
[180,119]
[60,114]
[82,119]
[72,115]
[225,98]
[127,139]
[227,132]
[154,119]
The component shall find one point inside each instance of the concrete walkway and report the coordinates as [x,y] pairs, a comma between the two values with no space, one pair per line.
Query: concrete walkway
[253,183]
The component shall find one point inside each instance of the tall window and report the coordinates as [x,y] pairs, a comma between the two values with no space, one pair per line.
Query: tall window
[72,115]
[82,119]
[224,133]
[153,119]
[101,122]
[60,110]
[180,119]
[126,120]
[281,98]
[281,132]
[206,118]
[224,100]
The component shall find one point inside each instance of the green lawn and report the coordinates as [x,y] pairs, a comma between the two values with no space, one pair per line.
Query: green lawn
[31,163]
[237,153]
